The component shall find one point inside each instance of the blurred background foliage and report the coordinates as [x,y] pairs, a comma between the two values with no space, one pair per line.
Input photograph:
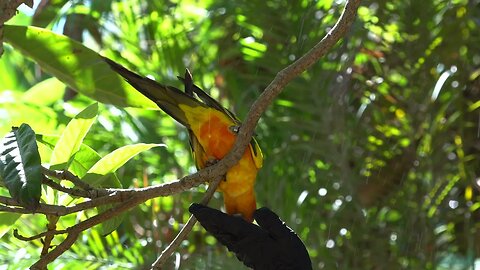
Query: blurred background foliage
[371,156]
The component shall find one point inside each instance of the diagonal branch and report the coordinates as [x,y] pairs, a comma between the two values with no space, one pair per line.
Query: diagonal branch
[130,198]
[17,235]
[72,191]
[265,99]
[74,231]
[286,75]
[67,175]
[167,252]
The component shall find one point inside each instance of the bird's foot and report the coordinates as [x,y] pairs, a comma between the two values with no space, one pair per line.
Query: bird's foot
[210,162]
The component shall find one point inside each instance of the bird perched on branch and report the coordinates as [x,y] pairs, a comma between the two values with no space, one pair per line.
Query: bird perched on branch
[212,129]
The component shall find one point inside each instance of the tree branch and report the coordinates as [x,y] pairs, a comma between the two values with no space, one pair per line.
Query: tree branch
[37,236]
[128,198]
[264,100]
[74,231]
[167,252]
[8,9]
[72,191]
[286,75]
[114,195]
[51,232]
[67,175]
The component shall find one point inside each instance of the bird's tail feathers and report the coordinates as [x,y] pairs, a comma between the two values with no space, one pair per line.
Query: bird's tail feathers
[167,98]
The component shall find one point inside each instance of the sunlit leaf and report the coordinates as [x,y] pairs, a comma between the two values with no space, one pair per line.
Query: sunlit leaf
[83,160]
[45,92]
[41,119]
[75,65]
[7,81]
[72,138]
[101,174]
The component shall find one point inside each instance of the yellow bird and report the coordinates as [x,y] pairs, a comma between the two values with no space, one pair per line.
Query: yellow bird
[212,129]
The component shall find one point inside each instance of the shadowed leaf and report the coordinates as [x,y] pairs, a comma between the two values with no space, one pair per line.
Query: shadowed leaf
[20,166]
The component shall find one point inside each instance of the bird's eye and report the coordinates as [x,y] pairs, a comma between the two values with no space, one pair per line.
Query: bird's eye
[234,129]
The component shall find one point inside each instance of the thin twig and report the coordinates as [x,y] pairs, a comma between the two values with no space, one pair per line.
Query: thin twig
[51,227]
[74,231]
[18,210]
[66,175]
[37,236]
[14,207]
[167,252]
[72,191]
[52,255]
[9,201]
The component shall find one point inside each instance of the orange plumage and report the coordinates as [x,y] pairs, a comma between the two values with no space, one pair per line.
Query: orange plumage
[212,134]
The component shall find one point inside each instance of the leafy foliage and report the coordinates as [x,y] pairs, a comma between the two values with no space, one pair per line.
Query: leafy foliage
[371,156]
[20,168]
[75,65]
[72,137]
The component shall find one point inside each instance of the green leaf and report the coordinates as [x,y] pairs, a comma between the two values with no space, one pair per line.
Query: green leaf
[7,79]
[83,160]
[101,174]
[14,113]
[393,216]
[110,225]
[72,138]
[20,166]
[6,221]
[37,94]
[75,65]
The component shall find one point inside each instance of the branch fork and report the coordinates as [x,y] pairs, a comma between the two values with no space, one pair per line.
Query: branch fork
[125,199]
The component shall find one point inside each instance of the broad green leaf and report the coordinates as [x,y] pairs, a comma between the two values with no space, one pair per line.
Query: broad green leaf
[46,144]
[72,138]
[45,92]
[15,113]
[110,225]
[83,160]
[101,174]
[75,65]
[7,80]
[6,221]
[20,166]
